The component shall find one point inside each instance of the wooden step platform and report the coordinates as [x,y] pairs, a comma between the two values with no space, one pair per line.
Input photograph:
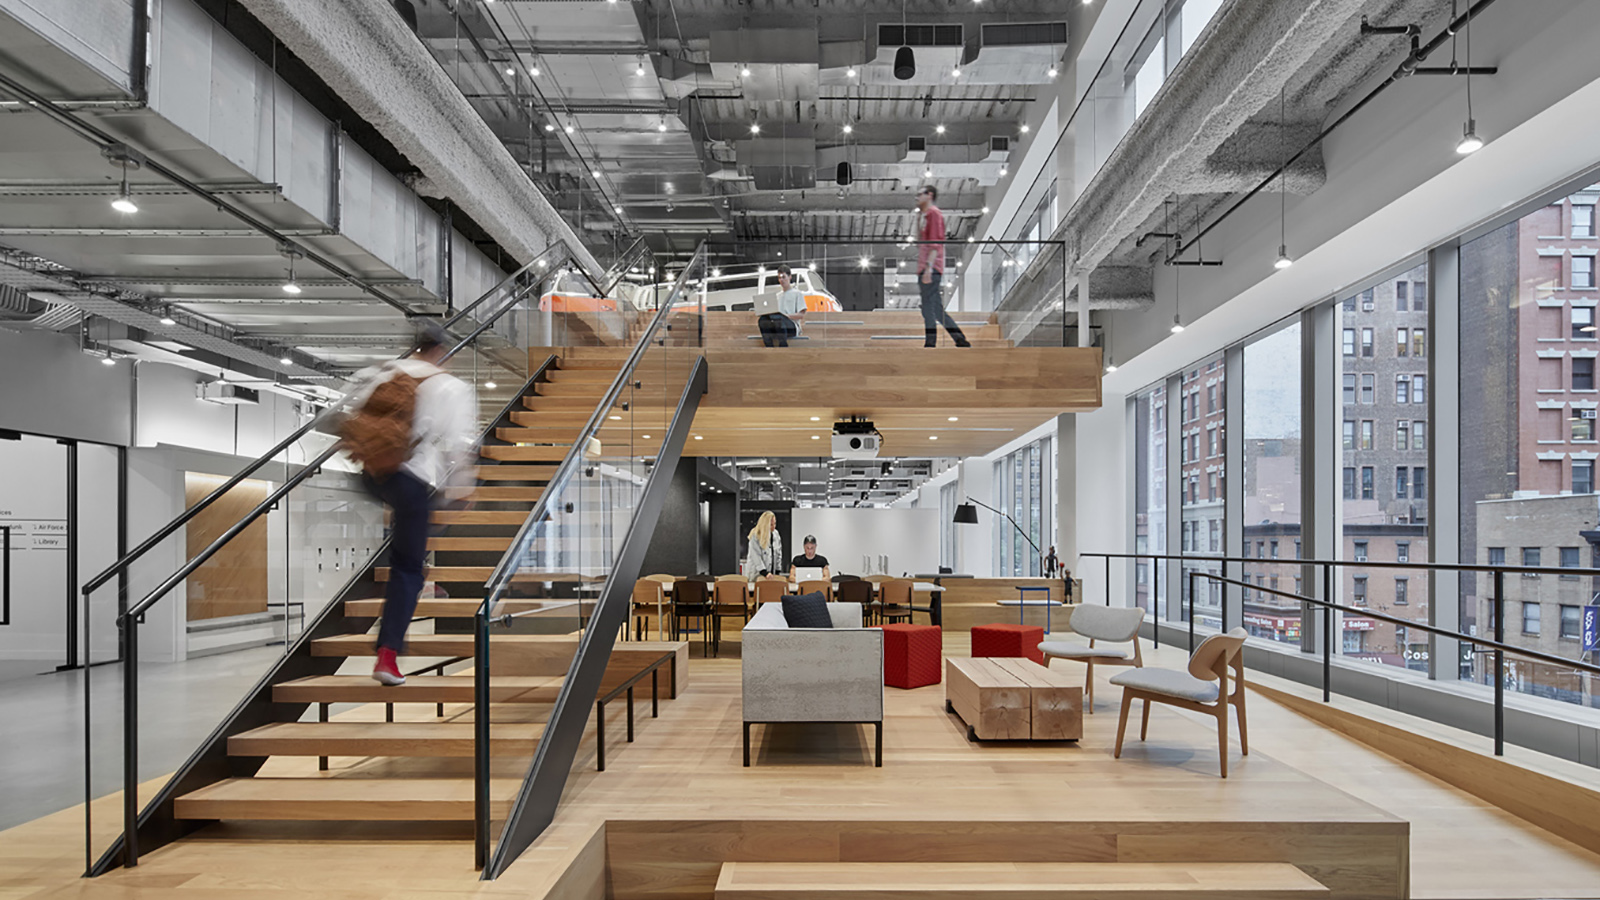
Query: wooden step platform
[591,390]
[507,494]
[448,645]
[551,453]
[540,404]
[451,607]
[1014,881]
[515,472]
[469,544]
[601,376]
[447,574]
[540,434]
[409,739]
[479,517]
[417,689]
[341,799]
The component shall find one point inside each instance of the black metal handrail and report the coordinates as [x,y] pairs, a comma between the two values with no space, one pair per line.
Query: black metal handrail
[1327,566]
[318,421]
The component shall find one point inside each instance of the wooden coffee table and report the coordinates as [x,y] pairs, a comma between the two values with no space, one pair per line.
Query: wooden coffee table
[1013,699]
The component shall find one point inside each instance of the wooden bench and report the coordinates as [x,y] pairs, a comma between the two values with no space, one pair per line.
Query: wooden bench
[1014,881]
[1013,699]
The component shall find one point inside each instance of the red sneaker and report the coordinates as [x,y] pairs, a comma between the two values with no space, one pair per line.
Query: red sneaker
[387,670]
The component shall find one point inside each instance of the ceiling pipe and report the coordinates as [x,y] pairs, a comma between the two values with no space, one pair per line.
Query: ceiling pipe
[1406,68]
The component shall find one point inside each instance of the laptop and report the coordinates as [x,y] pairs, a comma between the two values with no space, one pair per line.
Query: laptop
[767,303]
[808,574]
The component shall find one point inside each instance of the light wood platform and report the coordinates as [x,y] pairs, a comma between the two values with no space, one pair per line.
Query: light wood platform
[1014,881]
[453,739]
[340,799]
[417,689]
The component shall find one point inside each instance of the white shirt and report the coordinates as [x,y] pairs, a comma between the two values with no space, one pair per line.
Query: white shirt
[792,303]
[444,424]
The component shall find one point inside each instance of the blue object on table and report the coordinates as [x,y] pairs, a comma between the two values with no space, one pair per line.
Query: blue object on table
[1022,604]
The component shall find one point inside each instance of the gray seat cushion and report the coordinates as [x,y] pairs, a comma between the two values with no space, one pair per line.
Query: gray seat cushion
[1069,650]
[1169,682]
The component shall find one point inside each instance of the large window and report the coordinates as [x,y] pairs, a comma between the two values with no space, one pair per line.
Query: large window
[1204,386]
[1527,442]
[1272,476]
[1024,486]
[1384,518]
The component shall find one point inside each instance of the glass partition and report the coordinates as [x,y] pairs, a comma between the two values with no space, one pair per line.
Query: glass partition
[544,591]
[1150,499]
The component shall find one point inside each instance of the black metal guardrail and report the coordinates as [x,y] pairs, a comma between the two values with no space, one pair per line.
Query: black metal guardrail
[1328,567]
[653,670]
[535,804]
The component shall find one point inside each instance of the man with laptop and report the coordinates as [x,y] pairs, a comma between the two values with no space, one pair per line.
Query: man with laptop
[781,315]
[808,566]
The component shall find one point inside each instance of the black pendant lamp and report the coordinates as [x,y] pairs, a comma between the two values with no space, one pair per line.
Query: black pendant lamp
[842,174]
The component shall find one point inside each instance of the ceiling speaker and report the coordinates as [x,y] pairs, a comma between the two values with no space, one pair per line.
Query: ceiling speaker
[905,64]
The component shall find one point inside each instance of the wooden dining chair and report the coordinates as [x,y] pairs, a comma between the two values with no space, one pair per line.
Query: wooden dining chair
[730,598]
[894,600]
[648,600]
[691,599]
[1203,688]
[770,590]
[819,586]
[857,591]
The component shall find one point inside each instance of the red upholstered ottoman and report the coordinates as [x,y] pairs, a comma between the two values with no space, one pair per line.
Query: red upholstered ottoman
[1008,640]
[913,655]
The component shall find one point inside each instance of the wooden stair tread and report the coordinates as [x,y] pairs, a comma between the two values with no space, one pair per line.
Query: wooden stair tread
[548,453]
[441,644]
[483,544]
[341,799]
[411,739]
[541,403]
[511,471]
[417,689]
[479,516]
[1034,881]
[449,607]
[507,494]
[452,574]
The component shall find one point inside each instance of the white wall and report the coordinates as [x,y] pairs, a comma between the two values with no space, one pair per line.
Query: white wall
[908,537]
[47,387]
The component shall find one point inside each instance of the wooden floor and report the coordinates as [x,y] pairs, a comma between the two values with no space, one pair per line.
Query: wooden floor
[686,766]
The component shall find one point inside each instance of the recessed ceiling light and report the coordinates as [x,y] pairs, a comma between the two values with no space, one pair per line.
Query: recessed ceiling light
[616,418]
[816,418]
[850,72]
[645,436]
[986,210]
[954,419]
[286,360]
[933,437]
[744,71]
[816,437]
[698,438]
[490,385]
[865,261]
[168,320]
[848,128]
[755,127]
[1026,128]
[939,129]
[510,72]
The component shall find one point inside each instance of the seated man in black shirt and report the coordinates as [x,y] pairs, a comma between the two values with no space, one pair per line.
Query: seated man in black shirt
[809,560]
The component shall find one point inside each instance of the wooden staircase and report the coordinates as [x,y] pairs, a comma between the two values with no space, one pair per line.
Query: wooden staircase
[403,753]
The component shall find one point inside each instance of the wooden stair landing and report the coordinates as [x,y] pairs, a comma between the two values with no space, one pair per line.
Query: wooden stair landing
[1014,881]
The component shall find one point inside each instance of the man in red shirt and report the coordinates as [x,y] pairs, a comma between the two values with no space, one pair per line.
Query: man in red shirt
[930,269]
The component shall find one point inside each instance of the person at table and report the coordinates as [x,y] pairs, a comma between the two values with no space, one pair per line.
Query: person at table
[810,559]
[763,555]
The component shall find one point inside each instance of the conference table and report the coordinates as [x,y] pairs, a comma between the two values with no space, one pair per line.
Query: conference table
[666,591]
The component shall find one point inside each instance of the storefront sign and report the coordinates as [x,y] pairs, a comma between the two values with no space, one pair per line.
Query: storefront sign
[1591,629]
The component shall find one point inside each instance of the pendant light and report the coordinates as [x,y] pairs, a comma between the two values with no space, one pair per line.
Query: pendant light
[1284,260]
[124,202]
[1470,142]
[905,61]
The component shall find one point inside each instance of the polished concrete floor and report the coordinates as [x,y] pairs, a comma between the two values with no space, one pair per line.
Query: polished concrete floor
[42,743]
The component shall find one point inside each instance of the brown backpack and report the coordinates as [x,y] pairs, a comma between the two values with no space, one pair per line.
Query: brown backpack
[378,435]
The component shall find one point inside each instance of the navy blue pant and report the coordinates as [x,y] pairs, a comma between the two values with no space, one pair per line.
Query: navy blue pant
[777,327]
[411,502]
[933,314]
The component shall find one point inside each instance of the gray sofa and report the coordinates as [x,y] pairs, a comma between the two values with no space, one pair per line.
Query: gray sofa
[812,674]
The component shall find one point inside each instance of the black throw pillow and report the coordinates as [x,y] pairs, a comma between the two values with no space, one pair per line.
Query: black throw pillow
[807,611]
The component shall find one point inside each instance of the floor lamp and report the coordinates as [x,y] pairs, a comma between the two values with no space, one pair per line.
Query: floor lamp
[967,514]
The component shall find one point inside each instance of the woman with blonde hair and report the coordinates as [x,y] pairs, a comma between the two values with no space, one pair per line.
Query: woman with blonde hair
[764,553]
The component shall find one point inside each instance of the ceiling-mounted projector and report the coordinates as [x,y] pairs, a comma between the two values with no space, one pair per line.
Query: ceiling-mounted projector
[228,394]
[856,439]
